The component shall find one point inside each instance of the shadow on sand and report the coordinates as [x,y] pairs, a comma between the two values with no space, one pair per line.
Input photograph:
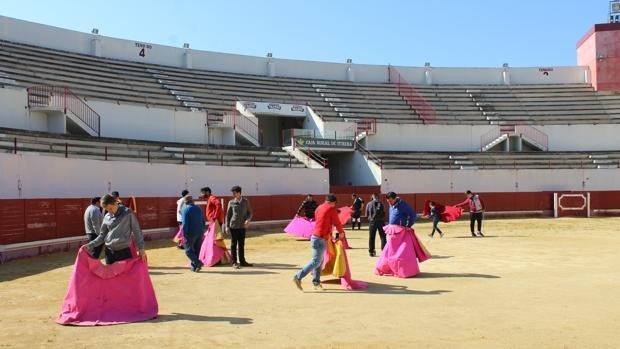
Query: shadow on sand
[424,275]
[201,318]
[376,288]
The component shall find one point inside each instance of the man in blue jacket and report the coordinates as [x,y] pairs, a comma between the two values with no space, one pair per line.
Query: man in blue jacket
[193,229]
[401,213]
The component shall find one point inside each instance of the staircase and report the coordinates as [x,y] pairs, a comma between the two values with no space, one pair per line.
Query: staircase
[245,128]
[185,98]
[54,100]
[533,136]
[363,128]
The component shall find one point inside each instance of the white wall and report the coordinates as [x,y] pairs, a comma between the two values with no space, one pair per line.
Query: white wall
[353,167]
[13,112]
[58,38]
[417,137]
[446,181]
[582,137]
[156,124]
[86,178]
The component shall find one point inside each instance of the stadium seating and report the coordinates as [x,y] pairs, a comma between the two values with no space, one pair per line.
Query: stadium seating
[496,160]
[169,87]
[141,151]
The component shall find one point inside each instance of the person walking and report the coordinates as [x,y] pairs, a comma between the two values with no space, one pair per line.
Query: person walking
[193,228]
[326,218]
[435,215]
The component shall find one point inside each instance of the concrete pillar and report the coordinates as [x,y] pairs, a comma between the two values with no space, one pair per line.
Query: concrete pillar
[506,74]
[271,68]
[507,144]
[428,74]
[518,143]
[95,46]
[350,74]
[187,59]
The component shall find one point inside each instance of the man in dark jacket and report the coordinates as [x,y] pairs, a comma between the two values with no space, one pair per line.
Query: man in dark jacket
[193,229]
[375,211]
[307,208]
[357,205]
[238,217]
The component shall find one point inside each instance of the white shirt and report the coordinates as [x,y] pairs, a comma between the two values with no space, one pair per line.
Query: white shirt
[180,206]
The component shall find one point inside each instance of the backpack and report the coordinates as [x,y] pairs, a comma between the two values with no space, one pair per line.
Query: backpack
[379,211]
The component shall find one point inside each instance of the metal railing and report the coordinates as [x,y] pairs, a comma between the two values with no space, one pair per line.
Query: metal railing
[61,98]
[368,125]
[489,137]
[239,121]
[311,154]
[534,134]
[369,155]
[416,101]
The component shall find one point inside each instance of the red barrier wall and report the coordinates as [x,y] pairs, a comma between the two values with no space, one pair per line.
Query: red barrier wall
[24,220]
[13,221]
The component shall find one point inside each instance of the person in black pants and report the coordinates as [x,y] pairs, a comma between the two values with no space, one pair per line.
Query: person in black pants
[238,216]
[476,208]
[357,206]
[435,215]
[375,211]
[193,229]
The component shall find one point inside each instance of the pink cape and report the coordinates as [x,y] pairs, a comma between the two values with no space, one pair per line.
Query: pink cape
[329,259]
[344,213]
[448,213]
[100,294]
[178,238]
[213,251]
[402,253]
[300,227]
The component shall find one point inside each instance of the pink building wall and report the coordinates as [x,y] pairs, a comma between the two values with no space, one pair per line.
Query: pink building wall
[599,49]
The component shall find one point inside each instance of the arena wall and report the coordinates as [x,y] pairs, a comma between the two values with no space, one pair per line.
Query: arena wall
[31,176]
[401,137]
[527,180]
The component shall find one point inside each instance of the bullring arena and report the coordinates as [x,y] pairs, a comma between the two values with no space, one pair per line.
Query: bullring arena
[529,283]
[82,115]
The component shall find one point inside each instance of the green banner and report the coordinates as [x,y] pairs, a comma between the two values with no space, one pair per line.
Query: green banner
[311,142]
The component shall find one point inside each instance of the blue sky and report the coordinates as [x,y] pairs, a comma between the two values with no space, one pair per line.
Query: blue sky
[453,33]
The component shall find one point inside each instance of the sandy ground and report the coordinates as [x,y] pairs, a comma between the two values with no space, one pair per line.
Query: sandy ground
[531,283]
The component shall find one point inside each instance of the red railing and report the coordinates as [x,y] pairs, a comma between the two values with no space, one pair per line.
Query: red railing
[489,137]
[533,134]
[239,121]
[61,98]
[427,113]
[366,125]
